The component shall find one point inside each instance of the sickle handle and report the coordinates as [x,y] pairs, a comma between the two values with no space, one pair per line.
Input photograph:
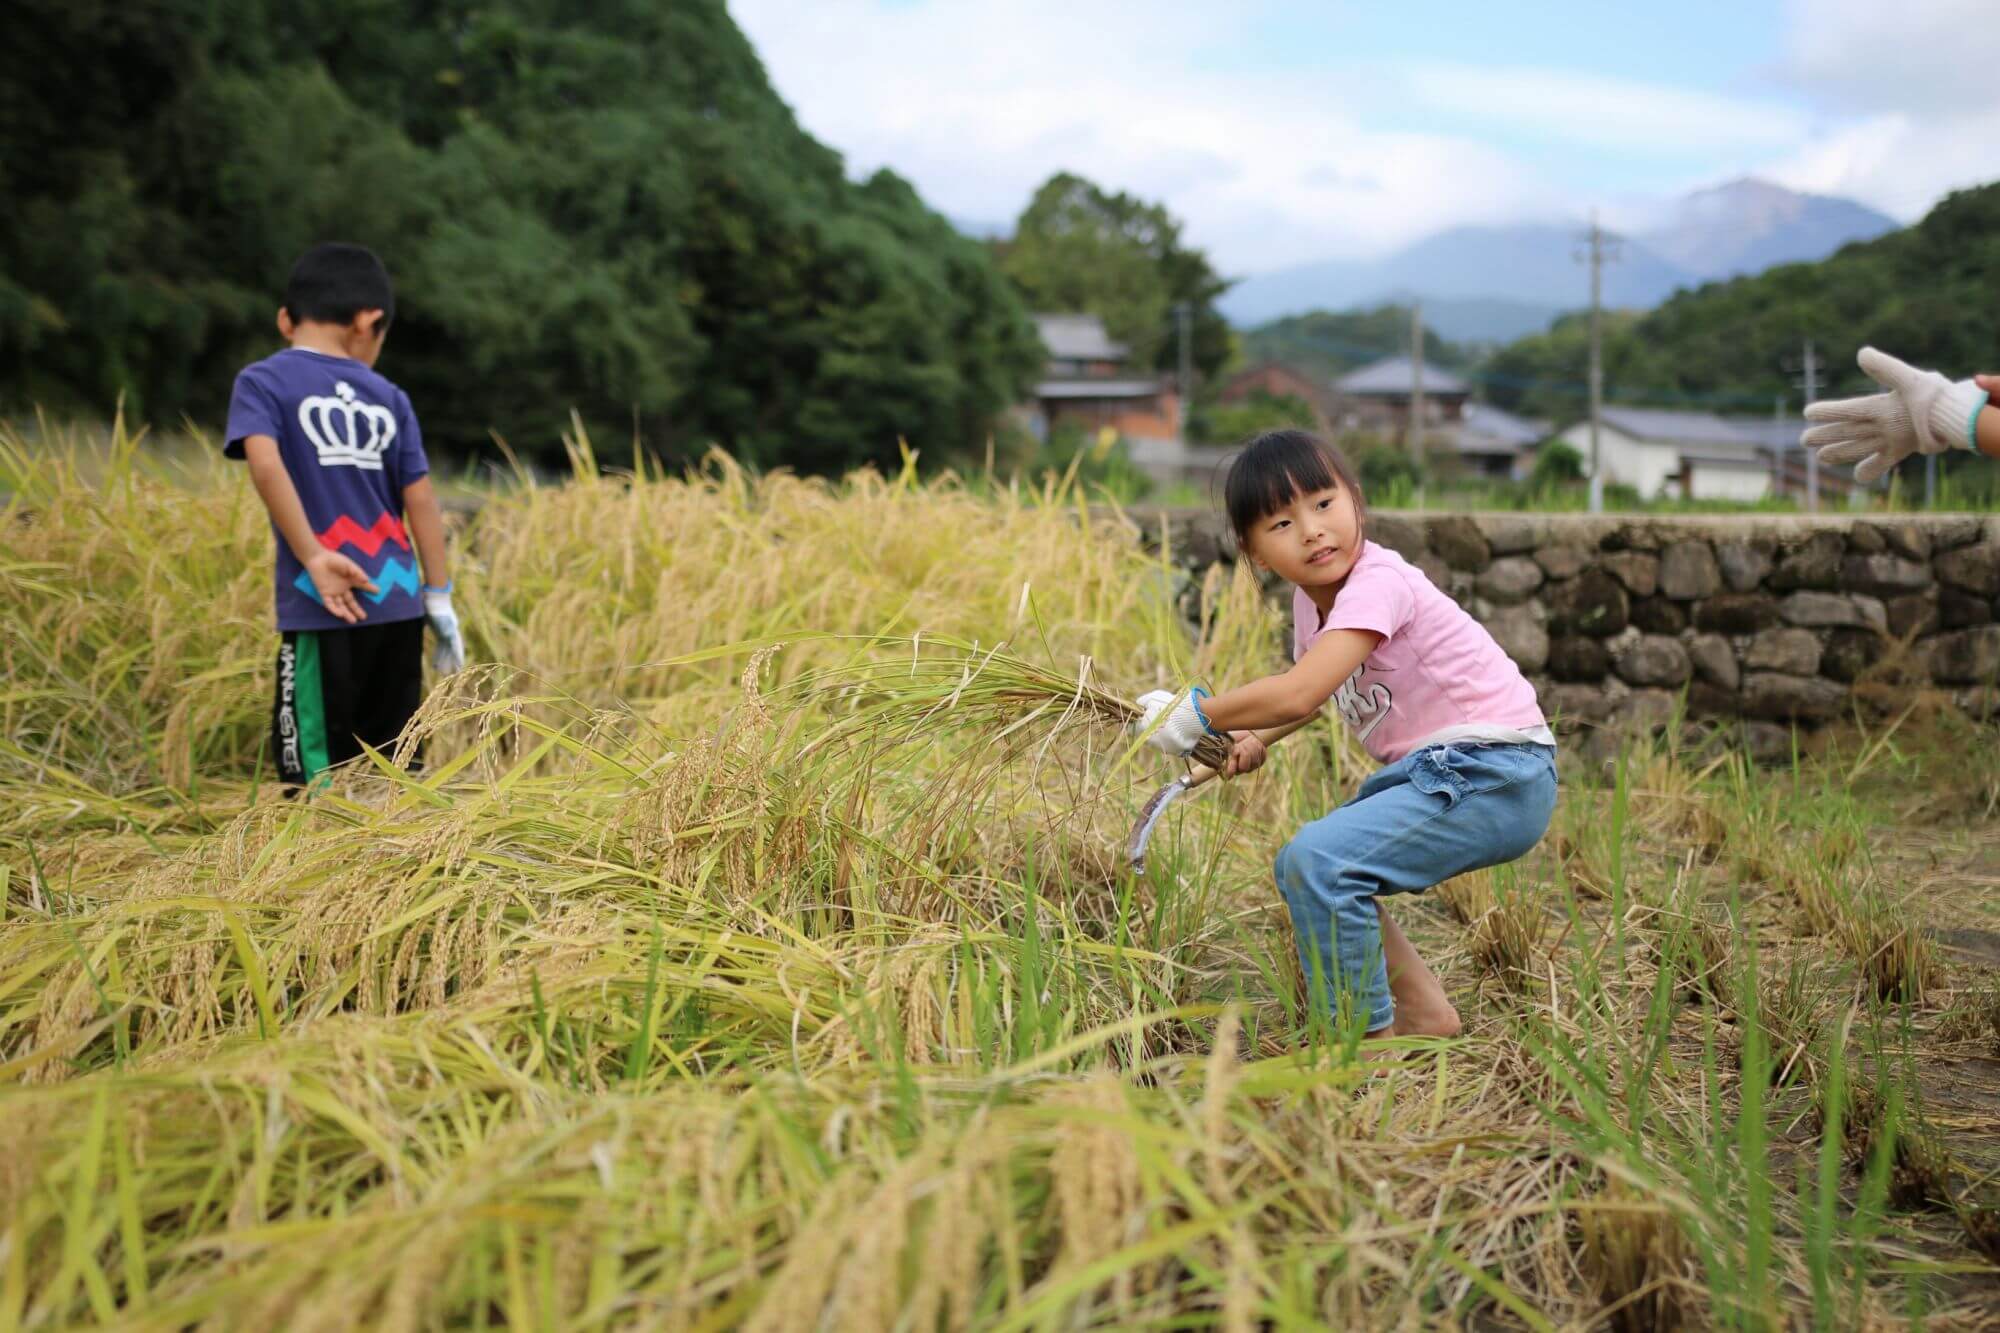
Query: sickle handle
[1203,773]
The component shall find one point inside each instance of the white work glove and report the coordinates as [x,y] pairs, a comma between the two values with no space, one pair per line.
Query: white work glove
[1923,413]
[448,654]
[1179,715]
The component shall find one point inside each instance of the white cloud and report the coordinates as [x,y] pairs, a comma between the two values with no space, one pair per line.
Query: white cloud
[1910,57]
[978,104]
[1578,107]
[1898,163]
[1912,92]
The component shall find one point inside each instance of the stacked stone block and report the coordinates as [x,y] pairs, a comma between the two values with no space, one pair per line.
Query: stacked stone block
[1769,619]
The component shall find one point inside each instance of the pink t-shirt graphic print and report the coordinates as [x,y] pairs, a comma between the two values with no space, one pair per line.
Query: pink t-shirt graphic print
[1436,670]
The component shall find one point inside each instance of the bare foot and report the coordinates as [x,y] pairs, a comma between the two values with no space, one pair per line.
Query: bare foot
[1379,1057]
[1429,1022]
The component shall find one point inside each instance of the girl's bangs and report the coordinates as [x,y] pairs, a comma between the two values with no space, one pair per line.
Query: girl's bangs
[1272,471]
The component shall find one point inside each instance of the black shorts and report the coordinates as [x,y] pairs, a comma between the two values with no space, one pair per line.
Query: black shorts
[340,687]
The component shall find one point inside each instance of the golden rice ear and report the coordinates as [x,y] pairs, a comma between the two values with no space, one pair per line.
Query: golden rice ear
[820,999]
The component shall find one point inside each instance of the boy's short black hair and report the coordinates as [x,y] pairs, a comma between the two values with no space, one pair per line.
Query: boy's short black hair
[335,281]
[1277,465]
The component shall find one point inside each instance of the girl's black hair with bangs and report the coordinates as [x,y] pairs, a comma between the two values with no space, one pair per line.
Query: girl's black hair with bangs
[1278,465]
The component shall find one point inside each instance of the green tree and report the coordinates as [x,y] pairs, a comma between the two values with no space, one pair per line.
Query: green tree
[1385,469]
[1100,461]
[1557,464]
[599,204]
[1259,410]
[1547,374]
[1330,343]
[1078,246]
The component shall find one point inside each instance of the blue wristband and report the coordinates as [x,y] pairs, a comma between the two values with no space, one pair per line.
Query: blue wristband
[446,589]
[1972,422]
[1195,696]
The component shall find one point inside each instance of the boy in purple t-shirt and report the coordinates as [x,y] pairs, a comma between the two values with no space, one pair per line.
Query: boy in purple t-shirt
[336,455]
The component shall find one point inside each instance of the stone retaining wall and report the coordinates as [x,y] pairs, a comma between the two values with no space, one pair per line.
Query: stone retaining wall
[1771,619]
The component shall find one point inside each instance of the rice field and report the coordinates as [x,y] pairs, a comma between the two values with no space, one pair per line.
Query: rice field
[753,948]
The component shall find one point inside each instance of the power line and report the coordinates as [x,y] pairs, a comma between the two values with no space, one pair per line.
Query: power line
[1626,392]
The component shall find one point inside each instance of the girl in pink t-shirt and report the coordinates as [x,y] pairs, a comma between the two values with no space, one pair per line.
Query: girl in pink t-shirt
[1469,764]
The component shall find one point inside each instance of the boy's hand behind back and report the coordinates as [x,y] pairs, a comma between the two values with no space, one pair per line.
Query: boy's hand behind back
[337,578]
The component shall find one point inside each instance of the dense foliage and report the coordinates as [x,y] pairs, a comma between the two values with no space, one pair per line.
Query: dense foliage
[1557,463]
[1384,465]
[1545,374]
[1078,246]
[1330,343]
[597,203]
[1258,410]
[1927,293]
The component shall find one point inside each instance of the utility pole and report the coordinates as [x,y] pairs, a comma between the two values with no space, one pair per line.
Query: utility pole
[1417,383]
[1182,318]
[1598,248]
[1783,472]
[1811,369]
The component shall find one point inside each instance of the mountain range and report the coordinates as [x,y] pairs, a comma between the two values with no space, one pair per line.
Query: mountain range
[1495,283]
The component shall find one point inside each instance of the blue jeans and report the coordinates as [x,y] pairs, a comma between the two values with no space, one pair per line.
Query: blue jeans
[1435,813]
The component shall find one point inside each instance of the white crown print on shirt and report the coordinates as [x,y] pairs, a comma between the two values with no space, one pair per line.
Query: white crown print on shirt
[346,431]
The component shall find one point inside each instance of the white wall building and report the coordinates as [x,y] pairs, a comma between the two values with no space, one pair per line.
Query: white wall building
[1689,455]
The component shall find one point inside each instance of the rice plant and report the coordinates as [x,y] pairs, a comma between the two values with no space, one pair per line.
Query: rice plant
[1505,938]
[755,949]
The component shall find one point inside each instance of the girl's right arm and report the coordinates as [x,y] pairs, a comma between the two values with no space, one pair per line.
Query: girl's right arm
[1295,694]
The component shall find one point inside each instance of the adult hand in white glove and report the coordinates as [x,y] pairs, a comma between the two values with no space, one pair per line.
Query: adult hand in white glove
[1922,413]
[1181,724]
[448,653]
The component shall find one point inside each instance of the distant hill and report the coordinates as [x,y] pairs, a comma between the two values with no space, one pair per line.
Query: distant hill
[1481,320]
[1749,225]
[1926,293]
[1516,278]
[1498,283]
[1326,344]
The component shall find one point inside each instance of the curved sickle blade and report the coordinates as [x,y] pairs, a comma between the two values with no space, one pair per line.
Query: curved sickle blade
[1149,815]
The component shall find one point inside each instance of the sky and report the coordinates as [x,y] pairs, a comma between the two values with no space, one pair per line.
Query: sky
[1284,133]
